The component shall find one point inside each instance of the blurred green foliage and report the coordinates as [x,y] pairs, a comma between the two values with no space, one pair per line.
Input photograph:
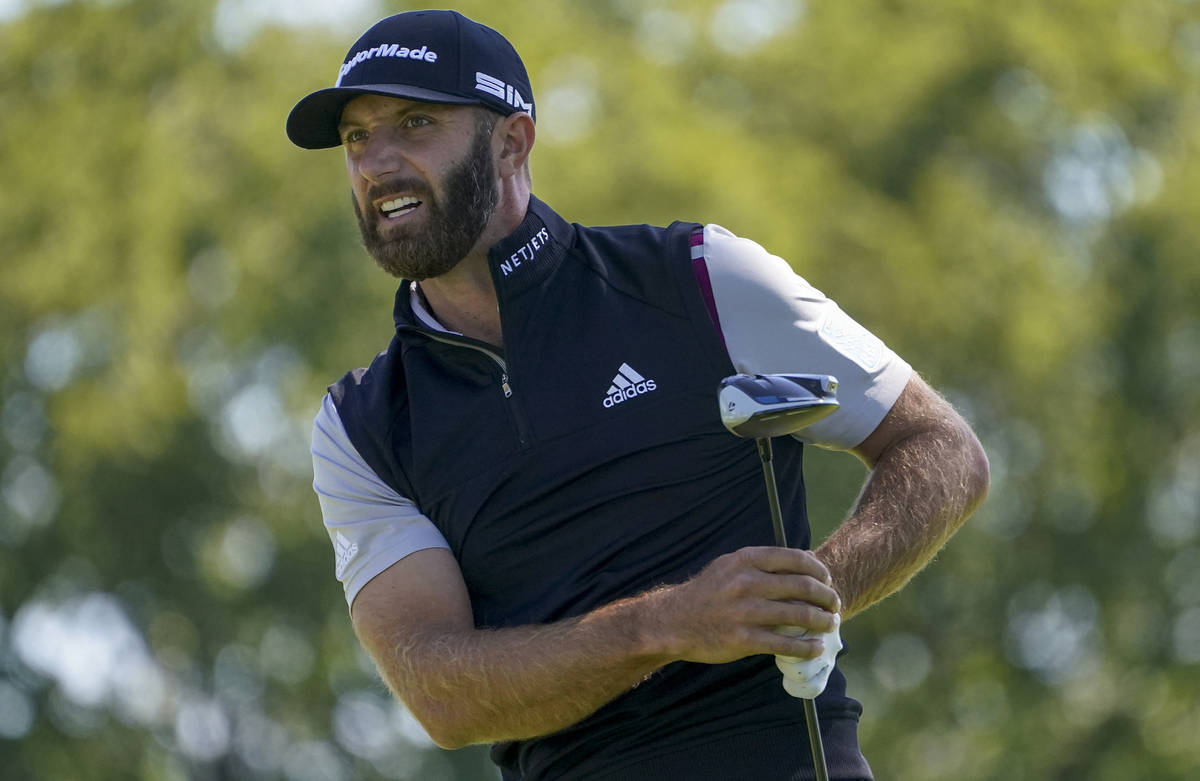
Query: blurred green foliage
[1008,193]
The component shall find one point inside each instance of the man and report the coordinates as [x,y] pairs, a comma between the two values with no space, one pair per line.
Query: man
[548,541]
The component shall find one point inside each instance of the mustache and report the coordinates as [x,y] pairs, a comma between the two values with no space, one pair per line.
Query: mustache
[399,184]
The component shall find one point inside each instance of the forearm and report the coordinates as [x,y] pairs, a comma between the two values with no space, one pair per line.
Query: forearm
[473,686]
[477,686]
[920,491]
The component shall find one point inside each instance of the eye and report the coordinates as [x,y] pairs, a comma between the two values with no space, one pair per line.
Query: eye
[353,135]
[417,120]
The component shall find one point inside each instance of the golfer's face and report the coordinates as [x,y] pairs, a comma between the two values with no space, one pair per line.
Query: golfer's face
[398,154]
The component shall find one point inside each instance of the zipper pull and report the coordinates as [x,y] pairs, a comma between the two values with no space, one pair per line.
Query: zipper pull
[505,387]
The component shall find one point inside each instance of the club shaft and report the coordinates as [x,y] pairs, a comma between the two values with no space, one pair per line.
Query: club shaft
[766,455]
[814,740]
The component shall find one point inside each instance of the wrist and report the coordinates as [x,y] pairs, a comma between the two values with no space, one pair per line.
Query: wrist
[649,639]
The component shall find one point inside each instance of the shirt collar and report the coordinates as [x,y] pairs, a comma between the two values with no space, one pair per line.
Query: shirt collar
[519,261]
[530,253]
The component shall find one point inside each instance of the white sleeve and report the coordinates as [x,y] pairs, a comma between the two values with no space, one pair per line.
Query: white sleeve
[773,321]
[370,525]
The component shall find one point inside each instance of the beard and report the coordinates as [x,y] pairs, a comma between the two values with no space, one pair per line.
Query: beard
[451,228]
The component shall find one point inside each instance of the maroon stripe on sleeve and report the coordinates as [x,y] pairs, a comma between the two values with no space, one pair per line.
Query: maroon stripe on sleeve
[700,269]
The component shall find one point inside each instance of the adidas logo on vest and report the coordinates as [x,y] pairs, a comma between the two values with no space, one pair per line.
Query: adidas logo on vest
[627,384]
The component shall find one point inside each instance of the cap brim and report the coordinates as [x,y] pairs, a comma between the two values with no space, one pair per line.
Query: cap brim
[313,123]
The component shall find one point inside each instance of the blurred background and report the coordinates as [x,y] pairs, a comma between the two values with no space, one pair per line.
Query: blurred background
[1008,193]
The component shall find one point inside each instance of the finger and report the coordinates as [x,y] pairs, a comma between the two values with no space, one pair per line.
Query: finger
[801,615]
[831,639]
[764,641]
[800,588]
[790,560]
[782,587]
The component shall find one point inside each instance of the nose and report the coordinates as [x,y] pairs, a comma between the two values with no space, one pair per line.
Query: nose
[383,157]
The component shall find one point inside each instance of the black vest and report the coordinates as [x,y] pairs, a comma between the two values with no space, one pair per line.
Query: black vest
[585,463]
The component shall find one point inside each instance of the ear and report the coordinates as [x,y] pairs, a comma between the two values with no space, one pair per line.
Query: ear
[515,134]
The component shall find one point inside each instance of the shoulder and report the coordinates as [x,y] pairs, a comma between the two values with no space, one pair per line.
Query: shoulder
[359,391]
[775,321]
[640,236]
[646,262]
[365,403]
[741,265]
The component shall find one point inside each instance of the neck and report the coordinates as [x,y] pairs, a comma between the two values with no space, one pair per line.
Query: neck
[464,298]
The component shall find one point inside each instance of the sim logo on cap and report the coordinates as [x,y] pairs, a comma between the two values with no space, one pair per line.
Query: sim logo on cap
[494,86]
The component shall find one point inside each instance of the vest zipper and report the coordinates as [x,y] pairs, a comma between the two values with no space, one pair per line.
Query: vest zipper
[523,436]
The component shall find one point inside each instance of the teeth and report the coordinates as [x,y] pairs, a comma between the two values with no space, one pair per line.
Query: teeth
[397,204]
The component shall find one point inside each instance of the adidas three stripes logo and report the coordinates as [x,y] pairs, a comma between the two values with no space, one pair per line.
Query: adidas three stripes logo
[626,385]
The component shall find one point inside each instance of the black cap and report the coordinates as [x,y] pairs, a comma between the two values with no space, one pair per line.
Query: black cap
[430,56]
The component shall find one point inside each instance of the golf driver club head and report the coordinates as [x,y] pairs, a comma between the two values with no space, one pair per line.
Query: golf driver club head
[771,405]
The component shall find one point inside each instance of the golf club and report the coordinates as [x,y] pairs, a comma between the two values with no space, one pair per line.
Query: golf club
[772,405]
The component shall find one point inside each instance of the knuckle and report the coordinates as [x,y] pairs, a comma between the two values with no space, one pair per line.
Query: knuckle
[818,593]
[805,587]
[743,557]
[742,583]
[726,563]
[817,567]
[814,618]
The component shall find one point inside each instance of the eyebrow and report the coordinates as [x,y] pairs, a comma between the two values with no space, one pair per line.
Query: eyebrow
[439,108]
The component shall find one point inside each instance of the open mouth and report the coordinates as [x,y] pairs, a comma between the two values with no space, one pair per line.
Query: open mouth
[398,207]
